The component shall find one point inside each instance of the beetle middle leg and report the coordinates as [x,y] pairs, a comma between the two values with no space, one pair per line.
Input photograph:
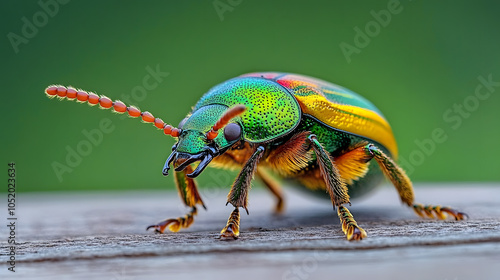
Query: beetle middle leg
[287,159]
[337,190]
[274,187]
[349,225]
[399,179]
[238,196]
[189,194]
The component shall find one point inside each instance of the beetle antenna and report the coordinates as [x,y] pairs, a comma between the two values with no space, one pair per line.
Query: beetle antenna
[105,102]
[224,120]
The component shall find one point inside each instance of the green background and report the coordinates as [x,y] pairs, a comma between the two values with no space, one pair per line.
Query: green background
[425,60]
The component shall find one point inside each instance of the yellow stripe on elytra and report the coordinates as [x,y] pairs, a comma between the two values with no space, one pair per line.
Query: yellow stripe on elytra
[356,120]
[345,95]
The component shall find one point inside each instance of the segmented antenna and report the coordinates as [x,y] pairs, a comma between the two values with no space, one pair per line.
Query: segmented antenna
[224,120]
[106,103]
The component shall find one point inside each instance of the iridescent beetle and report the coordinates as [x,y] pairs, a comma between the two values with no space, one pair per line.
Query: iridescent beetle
[319,134]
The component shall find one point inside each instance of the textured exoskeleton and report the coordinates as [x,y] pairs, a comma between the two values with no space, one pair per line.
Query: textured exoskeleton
[316,133]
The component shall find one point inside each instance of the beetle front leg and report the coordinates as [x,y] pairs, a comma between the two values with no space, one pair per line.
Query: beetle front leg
[189,194]
[174,225]
[337,190]
[238,196]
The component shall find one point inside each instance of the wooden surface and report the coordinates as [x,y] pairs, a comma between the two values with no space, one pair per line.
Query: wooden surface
[102,236]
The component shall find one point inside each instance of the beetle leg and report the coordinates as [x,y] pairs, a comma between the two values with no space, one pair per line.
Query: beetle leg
[335,186]
[176,224]
[274,187]
[189,194]
[349,225]
[405,189]
[187,188]
[232,228]
[337,189]
[437,211]
[238,196]
[287,159]
[393,172]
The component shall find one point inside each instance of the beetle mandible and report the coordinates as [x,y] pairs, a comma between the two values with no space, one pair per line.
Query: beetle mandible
[317,133]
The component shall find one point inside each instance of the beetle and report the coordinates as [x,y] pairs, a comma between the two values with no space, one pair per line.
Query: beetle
[310,131]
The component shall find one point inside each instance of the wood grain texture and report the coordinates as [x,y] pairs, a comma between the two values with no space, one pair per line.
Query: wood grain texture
[102,236]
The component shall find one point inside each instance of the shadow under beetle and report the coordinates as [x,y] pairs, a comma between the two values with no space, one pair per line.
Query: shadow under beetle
[317,133]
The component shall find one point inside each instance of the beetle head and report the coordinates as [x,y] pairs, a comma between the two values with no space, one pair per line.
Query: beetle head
[200,140]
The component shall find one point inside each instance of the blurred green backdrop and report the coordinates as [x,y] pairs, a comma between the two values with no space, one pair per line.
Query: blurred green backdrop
[417,67]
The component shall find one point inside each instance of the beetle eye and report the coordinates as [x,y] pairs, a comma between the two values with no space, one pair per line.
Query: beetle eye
[181,124]
[232,132]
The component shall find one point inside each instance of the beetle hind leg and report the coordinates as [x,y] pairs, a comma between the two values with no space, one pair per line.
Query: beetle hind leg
[274,187]
[437,211]
[405,189]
